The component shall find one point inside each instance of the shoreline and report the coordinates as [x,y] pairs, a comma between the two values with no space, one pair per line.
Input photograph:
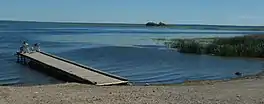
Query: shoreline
[259,75]
[240,91]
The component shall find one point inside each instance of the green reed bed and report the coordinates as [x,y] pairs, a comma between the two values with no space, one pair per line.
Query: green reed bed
[239,46]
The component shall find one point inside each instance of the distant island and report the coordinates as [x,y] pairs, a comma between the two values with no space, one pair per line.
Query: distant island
[155,24]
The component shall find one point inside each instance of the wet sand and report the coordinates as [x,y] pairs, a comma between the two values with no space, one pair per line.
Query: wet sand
[241,91]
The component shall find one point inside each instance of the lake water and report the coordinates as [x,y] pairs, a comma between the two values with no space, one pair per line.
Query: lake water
[127,52]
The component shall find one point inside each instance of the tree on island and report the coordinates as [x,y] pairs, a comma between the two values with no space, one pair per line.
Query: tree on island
[161,24]
[151,24]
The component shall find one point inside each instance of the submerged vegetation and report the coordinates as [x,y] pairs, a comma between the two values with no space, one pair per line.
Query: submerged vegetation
[239,46]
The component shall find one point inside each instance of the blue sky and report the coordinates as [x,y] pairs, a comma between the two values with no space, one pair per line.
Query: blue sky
[235,12]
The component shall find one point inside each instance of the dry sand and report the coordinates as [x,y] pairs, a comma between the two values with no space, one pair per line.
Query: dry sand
[247,91]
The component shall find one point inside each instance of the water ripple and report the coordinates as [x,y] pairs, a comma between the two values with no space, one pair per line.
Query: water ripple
[127,52]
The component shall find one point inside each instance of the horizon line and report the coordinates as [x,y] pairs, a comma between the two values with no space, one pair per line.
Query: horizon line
[168,24]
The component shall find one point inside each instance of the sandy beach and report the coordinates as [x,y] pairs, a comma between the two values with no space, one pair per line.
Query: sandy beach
[242,91]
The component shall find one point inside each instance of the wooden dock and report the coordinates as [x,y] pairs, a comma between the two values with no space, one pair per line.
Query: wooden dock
[72,69]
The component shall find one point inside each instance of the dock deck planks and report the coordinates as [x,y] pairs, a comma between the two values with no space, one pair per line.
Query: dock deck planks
[82,72]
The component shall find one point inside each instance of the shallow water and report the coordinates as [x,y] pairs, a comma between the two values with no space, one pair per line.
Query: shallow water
[127,52]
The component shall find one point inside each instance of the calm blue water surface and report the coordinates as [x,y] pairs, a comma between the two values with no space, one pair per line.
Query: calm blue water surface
[127,52]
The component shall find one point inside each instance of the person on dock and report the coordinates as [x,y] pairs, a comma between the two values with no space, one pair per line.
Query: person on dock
[36,47]
[25,47]
[21,49]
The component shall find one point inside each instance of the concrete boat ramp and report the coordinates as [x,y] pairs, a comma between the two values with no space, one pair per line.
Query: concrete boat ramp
[72,70]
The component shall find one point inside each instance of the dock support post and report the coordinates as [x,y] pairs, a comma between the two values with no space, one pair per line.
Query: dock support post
[21,59]
[24,60]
